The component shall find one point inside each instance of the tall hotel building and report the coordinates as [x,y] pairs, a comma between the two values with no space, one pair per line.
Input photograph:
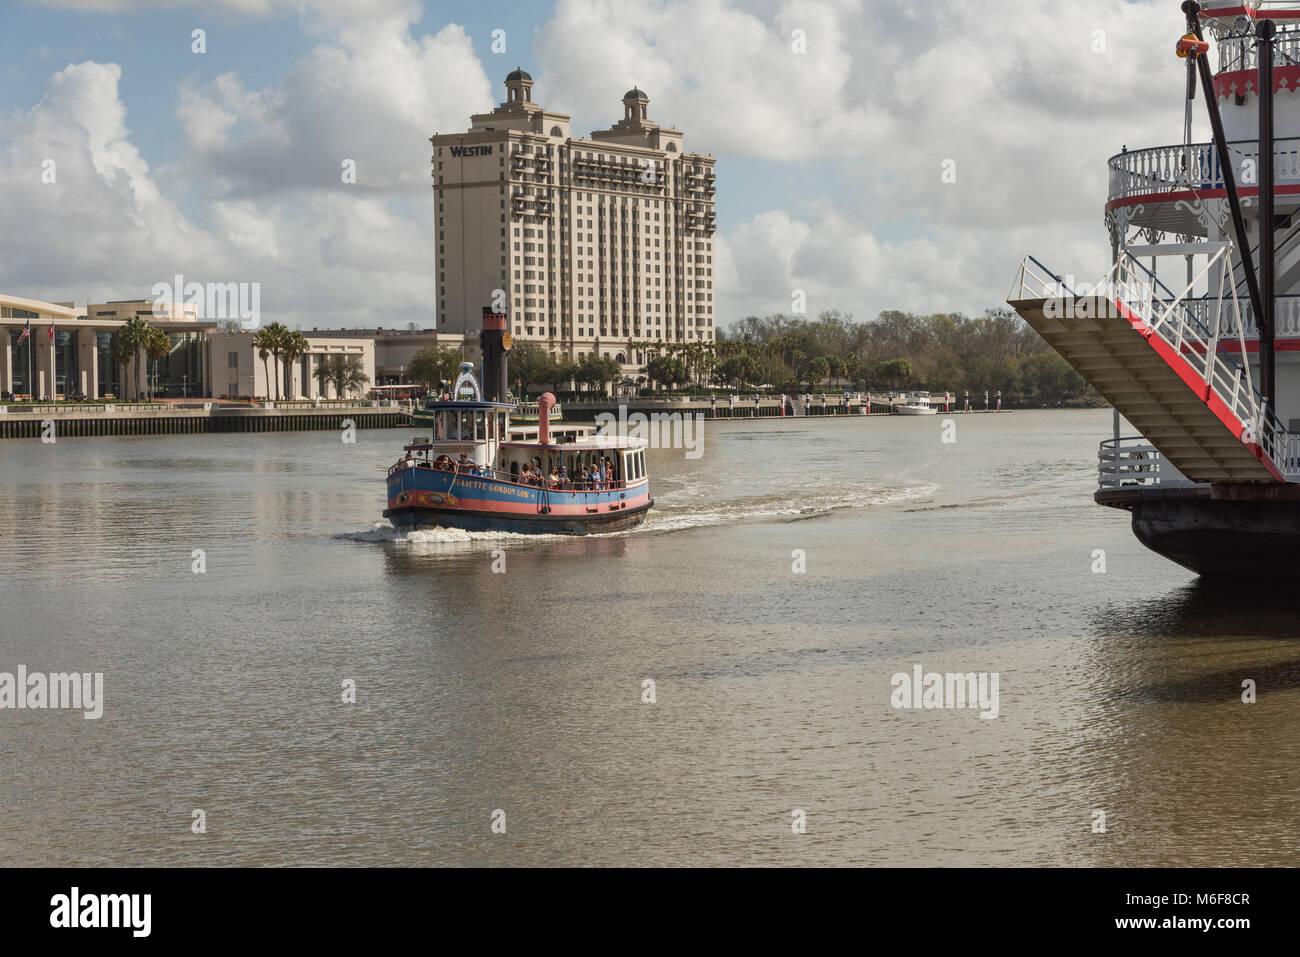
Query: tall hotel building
[587,244]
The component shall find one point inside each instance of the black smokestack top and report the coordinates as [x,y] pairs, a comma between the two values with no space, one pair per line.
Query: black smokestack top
[495,342]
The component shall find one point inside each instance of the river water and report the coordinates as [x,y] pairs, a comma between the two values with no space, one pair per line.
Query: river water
[521,690]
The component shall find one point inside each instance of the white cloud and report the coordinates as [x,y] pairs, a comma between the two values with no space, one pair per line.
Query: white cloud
[372,93]
[258,195]
[839,263]
[888,91]
[103,214]
[105,230]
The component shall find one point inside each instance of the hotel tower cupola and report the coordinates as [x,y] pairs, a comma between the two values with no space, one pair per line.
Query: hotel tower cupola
[519,88]
[634,104]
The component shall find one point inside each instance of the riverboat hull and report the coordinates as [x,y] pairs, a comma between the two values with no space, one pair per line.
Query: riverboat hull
[1217,536]
[421,497]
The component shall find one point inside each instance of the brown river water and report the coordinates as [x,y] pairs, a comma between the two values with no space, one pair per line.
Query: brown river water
[521,690]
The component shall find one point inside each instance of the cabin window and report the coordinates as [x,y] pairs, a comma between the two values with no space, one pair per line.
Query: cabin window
[501,424]
[480,426]
[440,426]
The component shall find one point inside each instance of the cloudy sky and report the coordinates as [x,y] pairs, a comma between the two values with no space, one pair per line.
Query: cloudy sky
[224,165]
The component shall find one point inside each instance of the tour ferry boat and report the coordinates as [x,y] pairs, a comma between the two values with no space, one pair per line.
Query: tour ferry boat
[1209,375]
[479,472]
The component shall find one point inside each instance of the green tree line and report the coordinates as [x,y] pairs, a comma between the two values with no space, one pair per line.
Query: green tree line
[898,351]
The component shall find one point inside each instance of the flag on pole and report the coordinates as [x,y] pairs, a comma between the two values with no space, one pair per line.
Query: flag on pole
[27,331]
[51,330]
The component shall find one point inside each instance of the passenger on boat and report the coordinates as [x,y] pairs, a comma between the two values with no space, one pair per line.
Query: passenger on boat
[463,464]
[564,479]
[553,481]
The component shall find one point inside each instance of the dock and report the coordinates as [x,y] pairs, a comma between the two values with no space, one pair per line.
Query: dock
[61,420]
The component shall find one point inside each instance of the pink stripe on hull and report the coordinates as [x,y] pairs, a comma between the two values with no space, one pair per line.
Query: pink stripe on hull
[530,508]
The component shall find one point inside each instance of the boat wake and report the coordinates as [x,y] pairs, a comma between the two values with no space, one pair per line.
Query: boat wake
[384,533]
[667,517]
[777,508]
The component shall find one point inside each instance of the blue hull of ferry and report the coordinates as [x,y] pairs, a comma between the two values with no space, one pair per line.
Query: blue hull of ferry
[432,498]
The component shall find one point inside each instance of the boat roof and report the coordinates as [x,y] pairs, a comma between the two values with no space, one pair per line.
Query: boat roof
[615,443]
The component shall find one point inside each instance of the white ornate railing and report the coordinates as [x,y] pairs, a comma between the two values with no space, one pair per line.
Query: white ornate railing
[1286,315]
[1241,52]
[1163,169]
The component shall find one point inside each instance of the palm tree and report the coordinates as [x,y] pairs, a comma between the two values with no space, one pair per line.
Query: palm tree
[156,347]
[133,336]
[262,343]
[276,337]
[295,347]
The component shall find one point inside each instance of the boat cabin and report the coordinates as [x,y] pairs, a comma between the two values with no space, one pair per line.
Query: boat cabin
[476,437]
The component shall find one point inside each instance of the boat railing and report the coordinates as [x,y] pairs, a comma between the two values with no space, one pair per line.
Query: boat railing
[499,475]
[1241,51]
[1196,336]
[1199,341]
[1130,461]
[1036,281]
[531,408]
[1195,166]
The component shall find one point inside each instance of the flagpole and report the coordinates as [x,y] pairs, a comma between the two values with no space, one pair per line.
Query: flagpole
[31,393]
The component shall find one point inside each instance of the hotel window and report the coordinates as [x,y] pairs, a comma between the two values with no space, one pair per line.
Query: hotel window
[232,360]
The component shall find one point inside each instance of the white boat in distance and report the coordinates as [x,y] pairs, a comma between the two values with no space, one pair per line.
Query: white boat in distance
[918,403]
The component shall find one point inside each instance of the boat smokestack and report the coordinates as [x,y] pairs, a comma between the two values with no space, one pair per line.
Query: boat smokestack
[544,406]
[495,342]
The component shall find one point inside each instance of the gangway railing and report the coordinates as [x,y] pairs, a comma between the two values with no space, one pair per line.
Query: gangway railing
[1197,340]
